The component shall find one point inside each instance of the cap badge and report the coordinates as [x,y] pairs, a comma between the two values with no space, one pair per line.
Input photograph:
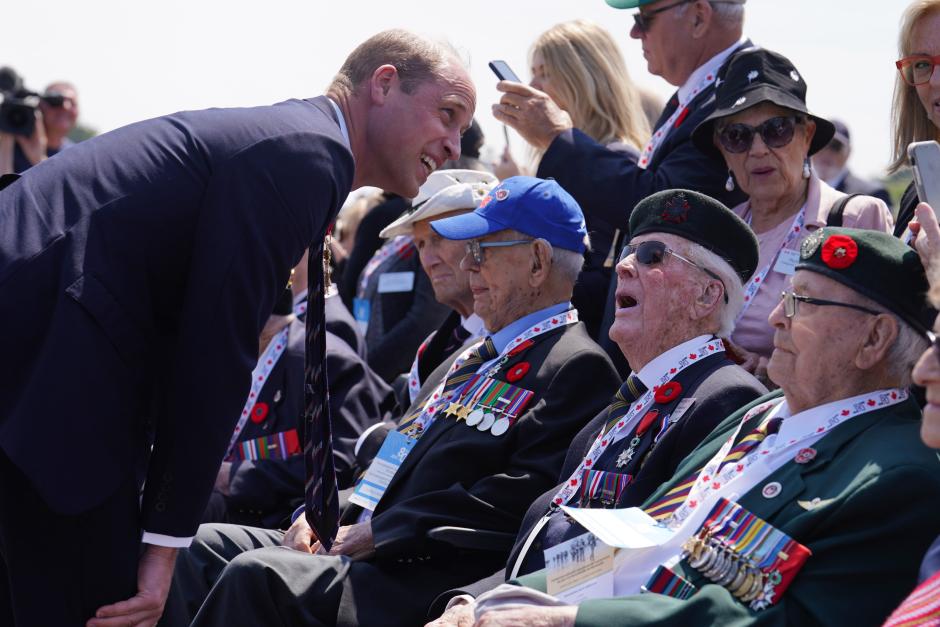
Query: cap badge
[839,252]
[676,209]
[740,101]
[811,244]
[752,76]
[794,76]
[502,194]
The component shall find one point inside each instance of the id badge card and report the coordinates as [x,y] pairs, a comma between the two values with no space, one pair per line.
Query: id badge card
[361,311]
[786,261]
[392,282]
[579,569]
[371,487]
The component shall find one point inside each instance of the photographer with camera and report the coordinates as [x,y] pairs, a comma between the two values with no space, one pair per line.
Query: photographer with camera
[33,126]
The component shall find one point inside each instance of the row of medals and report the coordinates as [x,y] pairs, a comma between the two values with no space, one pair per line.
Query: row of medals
[483,418]
[723,566]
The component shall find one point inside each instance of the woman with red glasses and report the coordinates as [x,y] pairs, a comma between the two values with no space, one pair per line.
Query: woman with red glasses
[765,134]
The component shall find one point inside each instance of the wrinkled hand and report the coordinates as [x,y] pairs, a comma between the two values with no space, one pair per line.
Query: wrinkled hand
[506,167]
[300,536]
[926,238]
[459,615]
[224,477]
[533,616]
[354,541]
[531,113]
[154,573]
[34,146]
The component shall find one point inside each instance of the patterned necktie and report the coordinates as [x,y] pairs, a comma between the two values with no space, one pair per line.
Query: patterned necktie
[322,503]
[670,502]
[631,390]
[921,607]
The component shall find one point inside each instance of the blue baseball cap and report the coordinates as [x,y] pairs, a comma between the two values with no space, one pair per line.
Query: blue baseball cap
[539,208]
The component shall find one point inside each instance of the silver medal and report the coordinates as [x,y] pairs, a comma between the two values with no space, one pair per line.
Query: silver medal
[500,427]
[475,417]
[487,422]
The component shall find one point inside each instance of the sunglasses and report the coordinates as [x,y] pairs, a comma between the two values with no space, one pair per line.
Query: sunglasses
[651,253]
[918,68]
[644,21]
[790,301]
[776,132]
[475,247]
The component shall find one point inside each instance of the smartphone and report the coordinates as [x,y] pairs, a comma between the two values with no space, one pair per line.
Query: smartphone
[925,159]
[502,70]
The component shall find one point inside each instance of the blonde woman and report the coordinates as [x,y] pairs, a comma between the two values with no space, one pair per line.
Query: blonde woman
[916,109]
[579,65]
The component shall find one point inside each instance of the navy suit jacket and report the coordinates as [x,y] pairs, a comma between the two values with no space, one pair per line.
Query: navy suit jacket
[136,271]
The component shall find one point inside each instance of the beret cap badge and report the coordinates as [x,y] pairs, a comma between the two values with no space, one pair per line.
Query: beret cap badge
[839,252]
[676,209]
[811,244]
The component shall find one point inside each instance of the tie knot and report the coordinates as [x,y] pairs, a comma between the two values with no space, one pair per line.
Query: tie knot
[487,350]
[773,426]
[632,388]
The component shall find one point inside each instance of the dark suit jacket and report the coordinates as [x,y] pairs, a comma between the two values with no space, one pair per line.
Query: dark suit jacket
[367,241]
[265,492]
[457,475]
[877,487]
[137,270]
[341,323]
[719,388]
[608,184]
[851,184]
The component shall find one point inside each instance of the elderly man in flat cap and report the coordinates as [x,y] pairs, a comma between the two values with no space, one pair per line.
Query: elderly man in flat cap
[812,505]
[486,434]
[680,287]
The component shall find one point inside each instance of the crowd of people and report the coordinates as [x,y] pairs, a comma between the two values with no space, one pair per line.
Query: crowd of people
[677,367]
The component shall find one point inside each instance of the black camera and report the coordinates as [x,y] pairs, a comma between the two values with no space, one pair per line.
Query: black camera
[17,104]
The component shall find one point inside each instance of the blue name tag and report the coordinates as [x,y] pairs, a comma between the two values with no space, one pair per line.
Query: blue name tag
[371,487]
[361,310]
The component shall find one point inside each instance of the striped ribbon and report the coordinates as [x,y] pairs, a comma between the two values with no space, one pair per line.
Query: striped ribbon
[482,391]
[275,446]
[920,608]
[665,581]
[604,486]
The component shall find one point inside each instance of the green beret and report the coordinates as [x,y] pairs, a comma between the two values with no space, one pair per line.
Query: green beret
[628,4]
[874,264]
[700,219]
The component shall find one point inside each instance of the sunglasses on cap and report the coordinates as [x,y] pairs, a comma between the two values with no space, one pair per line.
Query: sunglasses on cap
[644,21]
[651,253]
[918,68]
[776,132]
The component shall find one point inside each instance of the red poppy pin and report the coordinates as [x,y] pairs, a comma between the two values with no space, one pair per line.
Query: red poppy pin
[259,412]
[517,372]
[667,393]
[839,252]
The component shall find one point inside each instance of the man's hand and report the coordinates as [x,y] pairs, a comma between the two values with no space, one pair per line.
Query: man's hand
[224,477]
[300,536]
[154,573]
[459,615]
[354,541]
[531,113]
[533,616]
[34,146]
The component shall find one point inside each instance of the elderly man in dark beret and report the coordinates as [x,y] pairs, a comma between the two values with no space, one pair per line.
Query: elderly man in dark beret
[680,287]
[812,505]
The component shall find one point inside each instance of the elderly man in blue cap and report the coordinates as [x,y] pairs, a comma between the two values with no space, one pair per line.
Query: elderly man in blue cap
[486,434]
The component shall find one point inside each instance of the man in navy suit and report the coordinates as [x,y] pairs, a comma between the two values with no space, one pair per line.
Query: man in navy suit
[136,272]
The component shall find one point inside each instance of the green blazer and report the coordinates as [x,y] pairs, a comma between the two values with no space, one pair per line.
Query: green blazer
[867,506]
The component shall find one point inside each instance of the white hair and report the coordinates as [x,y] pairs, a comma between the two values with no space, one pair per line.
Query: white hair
[907,349]
[728,14]
[734,290]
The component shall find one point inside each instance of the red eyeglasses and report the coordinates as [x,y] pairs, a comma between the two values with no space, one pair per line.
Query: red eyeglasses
[918,68]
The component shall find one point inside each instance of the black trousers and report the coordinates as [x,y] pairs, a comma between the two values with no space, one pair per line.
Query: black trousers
[57,569]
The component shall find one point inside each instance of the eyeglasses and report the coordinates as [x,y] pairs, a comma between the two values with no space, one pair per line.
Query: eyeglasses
[776,132]
[917,69]
[651,253]
[475,247]
[644,21]
[790,301]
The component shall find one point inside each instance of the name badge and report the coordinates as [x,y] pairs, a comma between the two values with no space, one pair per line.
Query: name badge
[389,459]
[786,261]
[579,569]
[361,311]
[392,282]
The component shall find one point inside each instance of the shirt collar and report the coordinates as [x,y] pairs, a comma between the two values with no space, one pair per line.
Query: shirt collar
[342,122]
[473,324]
[505,335]
[652,373]
[797,424]
[711,66]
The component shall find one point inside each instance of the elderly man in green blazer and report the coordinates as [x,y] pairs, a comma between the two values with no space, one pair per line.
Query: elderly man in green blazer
[811,506]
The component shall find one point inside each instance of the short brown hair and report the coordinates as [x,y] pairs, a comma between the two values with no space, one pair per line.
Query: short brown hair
[417,60]
[911,123]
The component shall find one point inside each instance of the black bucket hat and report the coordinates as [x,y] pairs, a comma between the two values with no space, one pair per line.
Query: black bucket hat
[753,76]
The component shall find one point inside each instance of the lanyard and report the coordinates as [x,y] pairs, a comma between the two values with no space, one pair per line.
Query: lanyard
[396,246]
[626,424]
[438,399]
[713,476]
[259,377]
[797,229]
[677,117]
[414,381]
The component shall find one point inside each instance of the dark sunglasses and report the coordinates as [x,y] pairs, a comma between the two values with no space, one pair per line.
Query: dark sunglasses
[776,132]
[651,253]
[917,69]
[644,21]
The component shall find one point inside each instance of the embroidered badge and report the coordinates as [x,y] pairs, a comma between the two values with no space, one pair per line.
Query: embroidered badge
[676,209]
[839,252]
[502,194]
[485,201]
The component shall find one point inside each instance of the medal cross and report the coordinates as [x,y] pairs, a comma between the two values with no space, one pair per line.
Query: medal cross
[624,458]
